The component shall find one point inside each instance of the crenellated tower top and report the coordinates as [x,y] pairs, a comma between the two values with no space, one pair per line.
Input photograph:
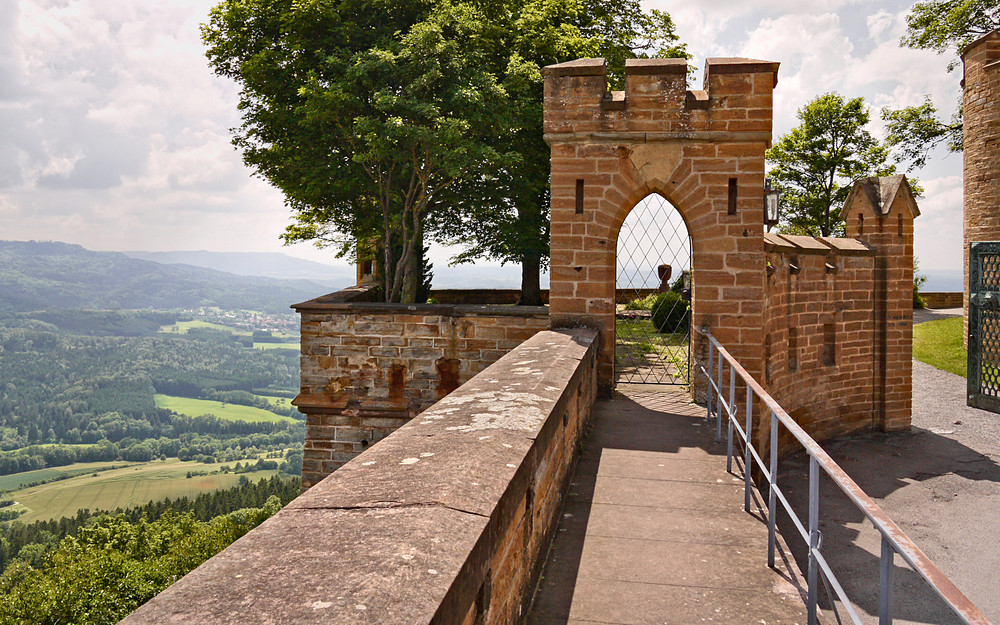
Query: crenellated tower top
[656,104]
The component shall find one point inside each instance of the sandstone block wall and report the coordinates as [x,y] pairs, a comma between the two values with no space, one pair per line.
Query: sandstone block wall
[445,521]
[879,212]
[838,332]
[981,135]
[942,299]
[701,150]
[820,333]
[368,368]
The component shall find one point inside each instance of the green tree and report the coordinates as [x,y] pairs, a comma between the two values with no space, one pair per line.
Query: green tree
[505,217]
[391,124]
[943,26]
[815,163]
[362,113]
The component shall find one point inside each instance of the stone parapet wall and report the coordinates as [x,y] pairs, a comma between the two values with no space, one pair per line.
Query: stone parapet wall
[942,299]
[838,329]
[819,333]
[446,521]
[368,368]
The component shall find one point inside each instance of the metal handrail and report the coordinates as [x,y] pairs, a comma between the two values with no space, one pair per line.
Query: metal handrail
[894,540]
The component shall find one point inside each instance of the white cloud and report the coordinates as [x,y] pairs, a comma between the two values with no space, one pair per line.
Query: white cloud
[116,95]
[937,231]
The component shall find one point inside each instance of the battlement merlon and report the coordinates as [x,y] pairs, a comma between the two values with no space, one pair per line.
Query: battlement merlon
[656,105]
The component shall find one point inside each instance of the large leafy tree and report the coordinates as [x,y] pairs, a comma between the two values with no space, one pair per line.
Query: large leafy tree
[815,163]
[506,215]
[391,122]
[362,112]
[943,26]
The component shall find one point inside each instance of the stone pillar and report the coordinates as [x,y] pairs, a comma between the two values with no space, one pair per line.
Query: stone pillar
[879,212]
[981,131]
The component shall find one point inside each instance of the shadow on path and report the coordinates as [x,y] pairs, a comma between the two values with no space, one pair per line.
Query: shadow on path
[940,482]
[653,528]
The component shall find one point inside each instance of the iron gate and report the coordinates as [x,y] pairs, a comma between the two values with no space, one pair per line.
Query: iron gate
[652,313]
[984,325]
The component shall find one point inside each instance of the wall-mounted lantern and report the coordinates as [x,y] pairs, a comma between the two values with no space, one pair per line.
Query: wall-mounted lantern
[770,205]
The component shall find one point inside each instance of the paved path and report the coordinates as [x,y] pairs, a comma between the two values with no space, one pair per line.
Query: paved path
[940,482]
[653,529]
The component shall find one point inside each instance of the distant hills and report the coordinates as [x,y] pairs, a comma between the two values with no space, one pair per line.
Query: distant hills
[265,264]
[50,275]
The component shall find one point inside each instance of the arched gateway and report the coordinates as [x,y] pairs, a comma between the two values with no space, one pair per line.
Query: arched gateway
[701,150]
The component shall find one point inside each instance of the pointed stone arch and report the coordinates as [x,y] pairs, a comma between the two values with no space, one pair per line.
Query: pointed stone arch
[701,150]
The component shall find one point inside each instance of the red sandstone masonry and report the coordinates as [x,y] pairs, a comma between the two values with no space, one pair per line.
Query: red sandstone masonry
[981,151]
[445,522]
[657,137]
[368,368]
[827,382]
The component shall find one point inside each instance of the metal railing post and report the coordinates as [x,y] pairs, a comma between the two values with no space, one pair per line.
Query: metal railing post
[718,408]
[730,414]
[885,587]
[708,379]
[813,573]
[747,457]
[772,495]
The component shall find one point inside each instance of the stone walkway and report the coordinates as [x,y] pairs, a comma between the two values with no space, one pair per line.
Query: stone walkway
[653,529]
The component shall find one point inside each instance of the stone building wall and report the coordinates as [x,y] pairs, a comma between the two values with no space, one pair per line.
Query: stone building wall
[368,368]
[879,212]
[981,134]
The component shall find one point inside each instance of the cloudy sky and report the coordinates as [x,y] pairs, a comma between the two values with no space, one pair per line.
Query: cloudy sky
[114,133]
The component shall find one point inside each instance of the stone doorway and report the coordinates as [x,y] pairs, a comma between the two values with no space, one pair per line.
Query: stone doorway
[653,290]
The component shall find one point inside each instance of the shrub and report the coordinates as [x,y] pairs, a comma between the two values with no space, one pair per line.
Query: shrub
[670,313]
[641,303]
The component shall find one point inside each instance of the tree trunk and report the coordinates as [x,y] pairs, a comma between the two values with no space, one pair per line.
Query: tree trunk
[531,292]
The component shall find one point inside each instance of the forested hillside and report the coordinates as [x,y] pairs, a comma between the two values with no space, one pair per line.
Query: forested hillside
[50,275]
[145,423]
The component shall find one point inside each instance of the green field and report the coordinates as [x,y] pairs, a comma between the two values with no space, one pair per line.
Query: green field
[281,402]
[8,482]
[229,412]
[181,327]
[129,486]
[294,346]
[940,344]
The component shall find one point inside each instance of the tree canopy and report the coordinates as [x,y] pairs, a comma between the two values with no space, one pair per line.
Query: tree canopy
[388,124]
[943,26]
[815,164]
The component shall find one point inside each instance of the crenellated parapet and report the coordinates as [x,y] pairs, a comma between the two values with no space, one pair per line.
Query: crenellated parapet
[656,103]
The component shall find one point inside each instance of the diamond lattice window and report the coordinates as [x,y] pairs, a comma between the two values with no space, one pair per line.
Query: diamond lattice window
[652,330]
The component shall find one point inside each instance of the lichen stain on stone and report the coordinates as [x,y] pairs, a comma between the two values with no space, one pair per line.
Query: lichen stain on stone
[500,409]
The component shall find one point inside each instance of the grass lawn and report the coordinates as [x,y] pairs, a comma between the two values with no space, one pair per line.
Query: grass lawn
[129,486]
[643,354]
[8,482]
[229,412]
[939,344]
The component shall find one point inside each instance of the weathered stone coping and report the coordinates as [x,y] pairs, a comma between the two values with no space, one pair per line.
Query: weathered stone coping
[427,526]
[445,310]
